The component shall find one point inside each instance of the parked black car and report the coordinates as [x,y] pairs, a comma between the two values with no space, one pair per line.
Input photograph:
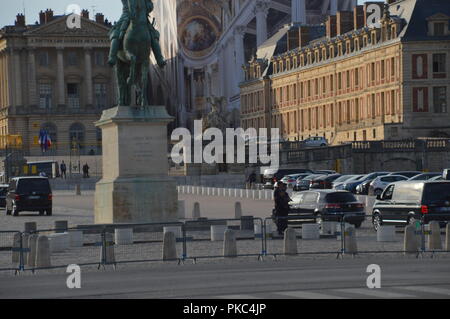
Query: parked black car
[271,176]
[324,182]
[304,183]
[404,203]
[351,185]
[30,194]
[328,205]
[3,192]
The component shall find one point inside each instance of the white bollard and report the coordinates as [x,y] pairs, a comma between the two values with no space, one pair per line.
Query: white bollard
[218,232]
[123,236]
[58,242]
[339,229]
[290,242]
[386,234]
[434,237]
[16,245]
[196,211]
[229,244]
[258,230]
[178,232]
[32,244]
[328,228]
[237,210]
[76,238]
[350,241]
[169,247]
[310,231]
[181,212]
[43,256]
[270,228]
[410,243]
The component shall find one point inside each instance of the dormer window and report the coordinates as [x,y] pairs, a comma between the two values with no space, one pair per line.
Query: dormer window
[439,29]
[438,25]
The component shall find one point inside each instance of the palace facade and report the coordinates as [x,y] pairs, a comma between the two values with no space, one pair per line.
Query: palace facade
[350,80]
[57,79]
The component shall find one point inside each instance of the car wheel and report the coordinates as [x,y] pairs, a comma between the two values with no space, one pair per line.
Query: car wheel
[49,212]
[377,221]
[378,191]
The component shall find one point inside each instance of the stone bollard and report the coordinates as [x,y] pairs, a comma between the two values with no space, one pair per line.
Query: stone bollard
[61,226]
[350,241]
[218,232]
[25,246]
[107,253]
[177,230]
[410,245]
[30,227]
[32,244]
[237,210]
[123,236]
[43,258]
[78,190]
[181,212]
[16,246]
[290,242]
[447,237]
[229,244]
[196,211]
[434,238]
[169,246]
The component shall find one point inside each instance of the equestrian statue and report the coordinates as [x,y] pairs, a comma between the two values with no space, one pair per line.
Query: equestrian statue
[133,38]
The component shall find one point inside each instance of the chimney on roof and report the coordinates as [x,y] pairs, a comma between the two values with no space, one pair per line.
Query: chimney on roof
[331,27]
[20,20]
[48,15]
[344,22]
[358,17]
[42,17]
[85,14]
[100,18]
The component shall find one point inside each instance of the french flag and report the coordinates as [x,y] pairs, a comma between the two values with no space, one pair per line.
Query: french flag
[44,140]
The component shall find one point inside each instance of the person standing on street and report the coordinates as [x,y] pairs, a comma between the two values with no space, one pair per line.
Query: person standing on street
[86,171]
[282,200]
[63,168]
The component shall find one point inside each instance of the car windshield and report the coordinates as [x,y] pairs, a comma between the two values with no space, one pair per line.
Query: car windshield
[340,198]
[344,178]
[436,192]
[355,178]
[38,185]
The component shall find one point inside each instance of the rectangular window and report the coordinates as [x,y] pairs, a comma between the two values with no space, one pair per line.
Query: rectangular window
[392,66]
[100,95]
[45,96]
[439,29]
[357,77]
[73,96]
[440,99]
[43,59]
[439,63]
[383,69]
[72,59]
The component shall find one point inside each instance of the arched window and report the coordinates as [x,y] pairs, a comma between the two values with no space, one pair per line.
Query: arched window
[76,136]
[51,129]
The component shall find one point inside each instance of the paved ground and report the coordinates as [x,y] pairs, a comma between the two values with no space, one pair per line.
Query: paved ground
[292,278]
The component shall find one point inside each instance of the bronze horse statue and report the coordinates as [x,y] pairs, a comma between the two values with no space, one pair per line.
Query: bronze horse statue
[134,59]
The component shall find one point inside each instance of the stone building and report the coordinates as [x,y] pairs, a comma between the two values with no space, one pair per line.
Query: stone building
[216,37]
[55,78]
[352,79]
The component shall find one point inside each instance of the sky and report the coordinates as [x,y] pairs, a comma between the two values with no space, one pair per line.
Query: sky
[110,8]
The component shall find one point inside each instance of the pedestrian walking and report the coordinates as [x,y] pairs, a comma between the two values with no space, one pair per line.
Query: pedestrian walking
[282,200]
[63,169]
[86,171]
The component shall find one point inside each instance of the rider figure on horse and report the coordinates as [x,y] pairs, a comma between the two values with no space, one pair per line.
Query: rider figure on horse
[118,31]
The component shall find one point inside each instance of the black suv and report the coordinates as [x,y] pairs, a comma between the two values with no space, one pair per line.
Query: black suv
[405,202]
[327,205]
[30,194]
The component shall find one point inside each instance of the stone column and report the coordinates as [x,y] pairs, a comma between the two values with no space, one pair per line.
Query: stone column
[298,11]
[88,76]
[17,77]
[239,33]
[261,11]
[60,76]
[333,7]
[32,86]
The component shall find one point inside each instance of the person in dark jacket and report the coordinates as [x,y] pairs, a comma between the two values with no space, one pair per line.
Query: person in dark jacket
[282,200]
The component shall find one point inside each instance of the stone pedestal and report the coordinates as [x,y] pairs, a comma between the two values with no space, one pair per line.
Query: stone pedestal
[135,187]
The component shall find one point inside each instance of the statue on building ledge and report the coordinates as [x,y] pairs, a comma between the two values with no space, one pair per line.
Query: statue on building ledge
[133,37]
[218,117]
